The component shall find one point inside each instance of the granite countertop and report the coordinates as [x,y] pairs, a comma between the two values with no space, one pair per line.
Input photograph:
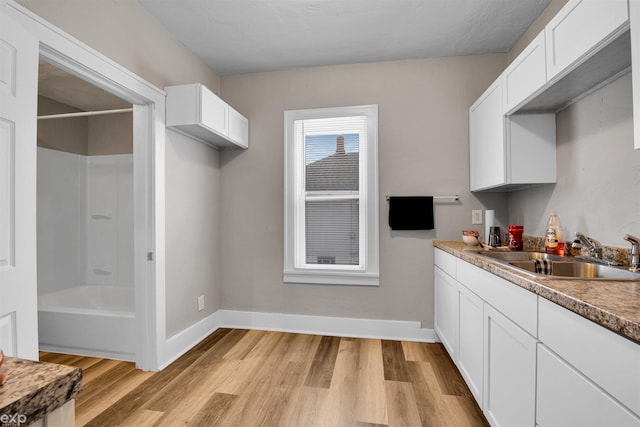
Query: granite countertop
[34,389]
[610,303]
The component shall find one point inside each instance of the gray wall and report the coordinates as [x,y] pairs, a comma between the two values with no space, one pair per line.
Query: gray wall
[598,188]
[123,31]
[423,150]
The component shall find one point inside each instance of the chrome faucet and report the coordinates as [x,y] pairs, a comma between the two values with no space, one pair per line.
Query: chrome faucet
[593,246]
[635,255]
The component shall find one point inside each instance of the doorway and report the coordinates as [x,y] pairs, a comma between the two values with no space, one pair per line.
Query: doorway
[84,218]
[27,37]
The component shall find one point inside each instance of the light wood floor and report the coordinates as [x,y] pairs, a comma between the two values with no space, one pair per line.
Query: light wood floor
[256,378]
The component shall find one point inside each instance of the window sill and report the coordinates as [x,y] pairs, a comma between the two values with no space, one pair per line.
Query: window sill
[331,278]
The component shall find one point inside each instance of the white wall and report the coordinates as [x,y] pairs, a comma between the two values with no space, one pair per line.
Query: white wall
[423,150]
[193,202]
[598,188]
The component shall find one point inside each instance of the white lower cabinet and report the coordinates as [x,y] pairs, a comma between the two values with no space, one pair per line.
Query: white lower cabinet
[470,340]
[446,310]
[494,354]
[510,372]
[566,398]
[529,361]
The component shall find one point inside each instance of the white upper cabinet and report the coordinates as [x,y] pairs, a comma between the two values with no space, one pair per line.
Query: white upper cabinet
[509,152]
[580,29]
[487,140]
[634,17]
[196,111]
[526,75]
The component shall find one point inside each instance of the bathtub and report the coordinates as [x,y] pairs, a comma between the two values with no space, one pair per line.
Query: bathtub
[94,321]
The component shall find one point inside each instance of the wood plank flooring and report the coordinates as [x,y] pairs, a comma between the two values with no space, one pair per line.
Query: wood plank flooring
[257,378]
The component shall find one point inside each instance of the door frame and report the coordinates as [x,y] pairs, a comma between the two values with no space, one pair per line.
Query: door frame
[73,56]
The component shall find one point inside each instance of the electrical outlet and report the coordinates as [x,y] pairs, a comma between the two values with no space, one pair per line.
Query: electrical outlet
[476,216]
[201,303]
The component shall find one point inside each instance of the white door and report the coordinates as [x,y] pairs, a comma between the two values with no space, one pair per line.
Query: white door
[18,109]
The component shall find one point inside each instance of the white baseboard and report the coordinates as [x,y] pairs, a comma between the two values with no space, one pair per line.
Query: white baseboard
[127,357]
[322,325]
[398,330]
[186,339]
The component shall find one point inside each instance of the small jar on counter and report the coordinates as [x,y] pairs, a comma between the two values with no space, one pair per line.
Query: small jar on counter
[515,237]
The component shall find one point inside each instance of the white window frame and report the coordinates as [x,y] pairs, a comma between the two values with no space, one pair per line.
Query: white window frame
[295,268]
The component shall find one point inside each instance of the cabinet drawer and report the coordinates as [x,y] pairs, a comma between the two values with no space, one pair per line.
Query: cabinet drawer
[609,360]
[519,305]
[580,27]
[526,74]
[566,398]
[445,261]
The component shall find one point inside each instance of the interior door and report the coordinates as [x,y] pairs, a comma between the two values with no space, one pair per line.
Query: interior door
[18,109]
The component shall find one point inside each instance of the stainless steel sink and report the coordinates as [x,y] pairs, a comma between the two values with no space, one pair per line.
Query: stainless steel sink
[520,256]
[561,267]
[579,270]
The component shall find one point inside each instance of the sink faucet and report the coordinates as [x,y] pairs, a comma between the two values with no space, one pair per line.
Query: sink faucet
[635,255]
[594,247]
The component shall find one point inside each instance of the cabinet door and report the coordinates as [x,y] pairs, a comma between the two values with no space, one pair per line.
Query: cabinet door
[238,128]
[566,398]
[486,140]
[634,17]
[526,74]
[470,340]
[509,373]
[446,310]
[578,29]
[213,112]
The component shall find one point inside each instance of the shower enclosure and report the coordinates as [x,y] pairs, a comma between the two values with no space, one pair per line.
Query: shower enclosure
[85,243]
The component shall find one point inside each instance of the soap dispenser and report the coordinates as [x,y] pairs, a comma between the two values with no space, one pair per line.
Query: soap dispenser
[553,239]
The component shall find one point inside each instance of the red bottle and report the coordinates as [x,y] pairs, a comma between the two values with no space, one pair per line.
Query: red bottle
[515,237]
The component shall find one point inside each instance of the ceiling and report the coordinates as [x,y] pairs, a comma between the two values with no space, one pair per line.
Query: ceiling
[246,36]
[57,84]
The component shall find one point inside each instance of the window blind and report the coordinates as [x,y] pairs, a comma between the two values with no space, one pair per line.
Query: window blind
[330,159]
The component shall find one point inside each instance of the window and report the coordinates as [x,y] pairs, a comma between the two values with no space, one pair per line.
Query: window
[331,196]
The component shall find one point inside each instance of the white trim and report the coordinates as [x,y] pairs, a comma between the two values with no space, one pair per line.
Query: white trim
[127,357]
[70,54]
[398,330]
[297,270]
[186,339]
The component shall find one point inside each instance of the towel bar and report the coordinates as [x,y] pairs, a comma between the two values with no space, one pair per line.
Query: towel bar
[454,197]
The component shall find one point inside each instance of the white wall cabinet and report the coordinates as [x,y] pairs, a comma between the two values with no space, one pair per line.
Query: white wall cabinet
[526,75]
[584,45]
[509,152]
[580,28]
[196,111]
[634,17]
